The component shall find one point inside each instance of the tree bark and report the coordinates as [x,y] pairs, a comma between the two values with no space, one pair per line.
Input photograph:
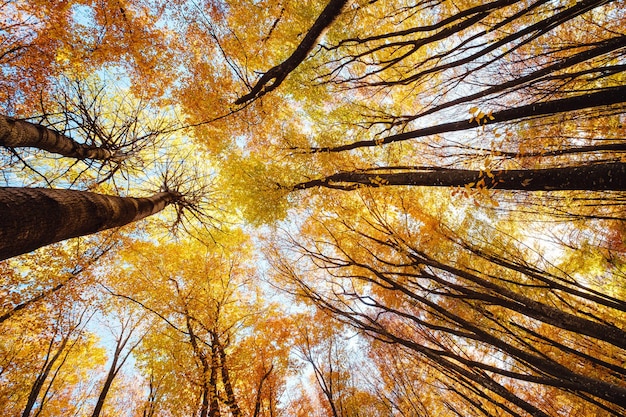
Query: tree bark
[209,406]
[214,407]
[118,361]
[277,74]
[604,97]
[43,375]
[591,177]
[16,133]
[231,400]
[35,217]
[108,382]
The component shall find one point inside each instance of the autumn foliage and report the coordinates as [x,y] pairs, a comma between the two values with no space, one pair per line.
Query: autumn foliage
[321,208]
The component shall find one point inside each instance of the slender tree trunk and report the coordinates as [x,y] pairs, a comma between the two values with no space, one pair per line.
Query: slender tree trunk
[591,177]
[150,406]
[16,133]
[214,407]
[605,97]
[41,378]
[209,406]
[259,392]
[35,217]
[276,75]
[603,47]
[231,401]
[32,301]
[107,386]
[118,361]
[71,276]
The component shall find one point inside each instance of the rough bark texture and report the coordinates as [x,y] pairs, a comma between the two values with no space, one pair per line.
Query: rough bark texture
[21,134]
[35,217]
[592,177]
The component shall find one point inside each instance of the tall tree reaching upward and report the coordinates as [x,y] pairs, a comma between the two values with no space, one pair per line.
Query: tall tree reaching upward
[590,177]
[392,277]
[21,134]
[448,178]
[34,217]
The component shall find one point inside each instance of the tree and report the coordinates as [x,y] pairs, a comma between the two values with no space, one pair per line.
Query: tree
[574,75]
[112,138]
[487,315]
[336,369]
[277,74]
[51,359]
[43,354]
[118,141]
[443,178]
[34,217]
[121,353]
[591,177]
[18,133]
[213,338]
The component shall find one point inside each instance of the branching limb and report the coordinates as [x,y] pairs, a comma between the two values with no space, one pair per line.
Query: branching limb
[277,74]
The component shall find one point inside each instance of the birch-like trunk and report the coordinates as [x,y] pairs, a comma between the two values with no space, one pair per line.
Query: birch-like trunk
[35,217]
[16,133]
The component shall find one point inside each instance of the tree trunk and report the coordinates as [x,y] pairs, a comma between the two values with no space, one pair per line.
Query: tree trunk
[592,177]
[108,382]
[231,400]
[604,97]
[35,217]
[259,392]
[214,406]
[21,134]
[209,406]
[116,364]
[277,74]
[43,375]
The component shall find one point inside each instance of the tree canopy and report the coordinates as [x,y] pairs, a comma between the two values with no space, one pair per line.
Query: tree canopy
[321,208]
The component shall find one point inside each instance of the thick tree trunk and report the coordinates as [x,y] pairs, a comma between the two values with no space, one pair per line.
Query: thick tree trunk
[592,177]
[21,134]
[35,217]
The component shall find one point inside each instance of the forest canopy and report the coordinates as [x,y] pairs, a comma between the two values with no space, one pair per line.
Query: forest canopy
[322,208]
